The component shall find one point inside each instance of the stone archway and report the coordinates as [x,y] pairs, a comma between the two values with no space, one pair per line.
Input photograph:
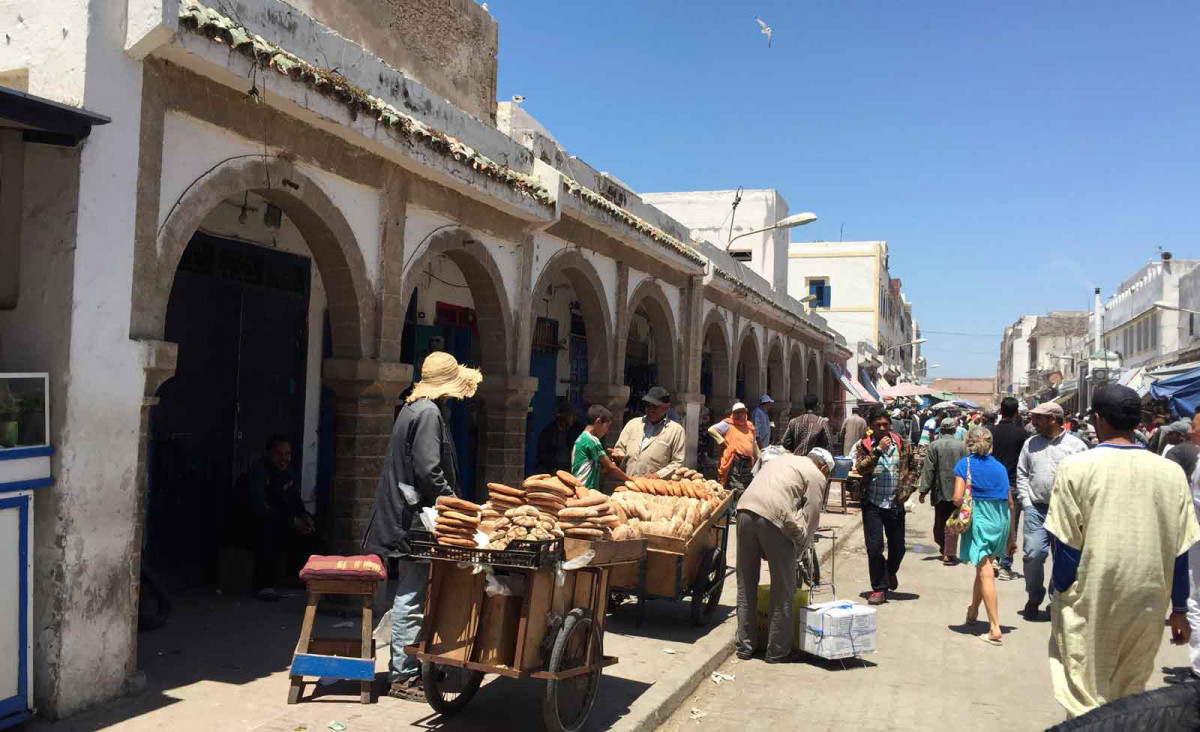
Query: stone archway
[494,315]
[716,352]
[326,232]
[749,368]
[585,282]
[777,386]
[496,430]
[649,298]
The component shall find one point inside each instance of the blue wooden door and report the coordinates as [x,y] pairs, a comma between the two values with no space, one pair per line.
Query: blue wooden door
[544,366]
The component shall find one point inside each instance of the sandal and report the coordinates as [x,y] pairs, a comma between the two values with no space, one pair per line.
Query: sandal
[991,641]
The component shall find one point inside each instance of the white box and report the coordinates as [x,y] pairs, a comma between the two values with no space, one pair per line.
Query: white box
[837,629]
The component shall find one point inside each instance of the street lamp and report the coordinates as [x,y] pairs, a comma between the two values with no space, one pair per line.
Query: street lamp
[790,222]
[917,342]
[1165,306]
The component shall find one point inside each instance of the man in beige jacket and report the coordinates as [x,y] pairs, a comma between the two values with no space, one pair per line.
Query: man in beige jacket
[777,517]
[653,444]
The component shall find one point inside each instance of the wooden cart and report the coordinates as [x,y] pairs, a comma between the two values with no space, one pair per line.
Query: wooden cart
[677,568]
[549,632]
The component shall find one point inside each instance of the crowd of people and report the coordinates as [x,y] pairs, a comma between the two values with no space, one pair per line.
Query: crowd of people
[1117,517]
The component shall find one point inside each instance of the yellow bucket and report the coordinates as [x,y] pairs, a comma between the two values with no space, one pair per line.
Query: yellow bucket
[763,616]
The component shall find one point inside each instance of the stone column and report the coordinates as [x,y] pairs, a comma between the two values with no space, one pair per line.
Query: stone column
[366,394]
[688,406]
[505,404]
[780,412]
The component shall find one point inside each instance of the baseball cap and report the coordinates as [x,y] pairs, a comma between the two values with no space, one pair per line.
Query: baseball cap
[766,399]
[736,406]
[1119,405]
[822,457]
[948,423]
[657,396]
[1049,409]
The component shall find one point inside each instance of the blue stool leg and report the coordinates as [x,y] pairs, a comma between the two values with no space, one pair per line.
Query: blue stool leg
[310,616]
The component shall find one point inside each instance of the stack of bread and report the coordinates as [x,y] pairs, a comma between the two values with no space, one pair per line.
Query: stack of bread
[670,508]
[524,523]
[457,521]
[589,516]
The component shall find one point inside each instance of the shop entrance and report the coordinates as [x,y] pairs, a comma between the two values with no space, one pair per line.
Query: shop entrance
[239,314]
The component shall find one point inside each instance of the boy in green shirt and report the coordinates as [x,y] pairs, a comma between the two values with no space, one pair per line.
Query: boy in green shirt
[589,455]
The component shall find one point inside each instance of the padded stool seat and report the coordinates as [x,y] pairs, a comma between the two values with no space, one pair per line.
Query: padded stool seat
[341,658]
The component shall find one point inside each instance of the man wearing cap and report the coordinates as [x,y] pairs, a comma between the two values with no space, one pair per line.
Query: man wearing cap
[762,421]
[737,436]
[1176,438]
[1121,522]
[807,431]
[1037,464]
[777,518]
[937,475]
[420,466]
[652,444]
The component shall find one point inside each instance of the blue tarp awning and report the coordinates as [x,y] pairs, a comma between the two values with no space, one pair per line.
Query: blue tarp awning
[1182,391]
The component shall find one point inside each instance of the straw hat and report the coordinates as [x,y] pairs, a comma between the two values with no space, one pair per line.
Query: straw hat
[442,376]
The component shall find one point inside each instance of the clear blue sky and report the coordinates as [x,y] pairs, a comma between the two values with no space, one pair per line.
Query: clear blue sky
[1013,155]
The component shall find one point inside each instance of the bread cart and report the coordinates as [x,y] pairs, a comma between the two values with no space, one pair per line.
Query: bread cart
[677,568]
[533,628]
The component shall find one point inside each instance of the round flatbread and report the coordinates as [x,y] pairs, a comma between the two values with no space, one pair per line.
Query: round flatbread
[472,519]
[504,490]
[568,480]
[584,533]
[452,524]
[608,520]
[569,513]
[550,486]
[456,541]
[458,504]
[592,499]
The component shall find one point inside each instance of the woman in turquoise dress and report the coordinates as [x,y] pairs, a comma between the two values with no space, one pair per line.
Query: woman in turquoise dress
[988,535]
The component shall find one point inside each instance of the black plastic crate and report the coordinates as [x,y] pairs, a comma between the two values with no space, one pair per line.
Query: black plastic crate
[520,554]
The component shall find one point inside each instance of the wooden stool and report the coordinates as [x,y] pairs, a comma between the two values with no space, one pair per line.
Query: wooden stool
[341,658]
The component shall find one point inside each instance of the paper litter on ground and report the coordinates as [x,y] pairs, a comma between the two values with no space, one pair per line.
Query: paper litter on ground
[720,678]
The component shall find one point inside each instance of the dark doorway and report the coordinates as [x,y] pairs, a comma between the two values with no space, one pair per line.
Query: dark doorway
[240,316]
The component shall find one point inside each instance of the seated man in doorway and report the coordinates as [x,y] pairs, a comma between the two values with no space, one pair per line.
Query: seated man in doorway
[653,444]
[557,441]
[282,527]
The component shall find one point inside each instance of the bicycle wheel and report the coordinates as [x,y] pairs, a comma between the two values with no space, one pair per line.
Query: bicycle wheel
[448,689]
[566,703]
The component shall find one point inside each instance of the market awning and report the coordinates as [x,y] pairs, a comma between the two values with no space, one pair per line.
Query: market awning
[851,386]
[1182,390]
[44,121]
[864,380]
[1065,396]
[905,390]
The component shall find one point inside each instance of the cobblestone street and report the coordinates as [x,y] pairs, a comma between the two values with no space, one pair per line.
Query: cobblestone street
[929,670]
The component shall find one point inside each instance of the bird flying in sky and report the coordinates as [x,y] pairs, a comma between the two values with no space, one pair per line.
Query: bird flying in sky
[766,30]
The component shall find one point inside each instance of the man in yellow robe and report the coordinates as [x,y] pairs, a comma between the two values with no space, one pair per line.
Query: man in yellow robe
[1121,522]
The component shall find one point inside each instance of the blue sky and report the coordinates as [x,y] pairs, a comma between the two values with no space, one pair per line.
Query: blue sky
[1014,155]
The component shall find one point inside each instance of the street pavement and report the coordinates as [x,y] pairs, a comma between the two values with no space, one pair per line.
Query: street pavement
[930,671]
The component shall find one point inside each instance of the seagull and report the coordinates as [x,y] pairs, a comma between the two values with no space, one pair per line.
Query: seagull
[766,30]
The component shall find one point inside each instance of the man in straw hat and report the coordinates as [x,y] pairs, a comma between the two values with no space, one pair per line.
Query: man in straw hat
[420,466]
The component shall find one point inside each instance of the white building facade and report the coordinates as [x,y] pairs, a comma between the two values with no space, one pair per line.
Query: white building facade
[277,225]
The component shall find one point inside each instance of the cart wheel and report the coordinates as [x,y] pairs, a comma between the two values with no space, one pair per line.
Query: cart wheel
[706,589]
[568,702]
[449,689]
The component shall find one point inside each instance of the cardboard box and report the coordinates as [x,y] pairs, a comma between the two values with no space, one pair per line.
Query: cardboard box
[763,616]
[837,629]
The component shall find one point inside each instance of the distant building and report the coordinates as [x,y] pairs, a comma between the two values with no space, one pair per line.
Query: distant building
[852,287]
[1012,370]
[1056,352]
[1142,322]
[982,391]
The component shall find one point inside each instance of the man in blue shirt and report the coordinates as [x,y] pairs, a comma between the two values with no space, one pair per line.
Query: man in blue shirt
[762,421]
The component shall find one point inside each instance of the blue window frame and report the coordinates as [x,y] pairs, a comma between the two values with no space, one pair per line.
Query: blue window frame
[822,291]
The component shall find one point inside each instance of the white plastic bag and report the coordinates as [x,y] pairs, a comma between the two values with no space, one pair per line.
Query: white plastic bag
[428,518]
[582,560]
[511,585]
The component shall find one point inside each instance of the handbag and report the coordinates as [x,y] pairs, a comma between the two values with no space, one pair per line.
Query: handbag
[960,522]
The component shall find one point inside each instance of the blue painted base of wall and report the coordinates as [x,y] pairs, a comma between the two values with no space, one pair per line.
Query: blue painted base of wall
[15,719]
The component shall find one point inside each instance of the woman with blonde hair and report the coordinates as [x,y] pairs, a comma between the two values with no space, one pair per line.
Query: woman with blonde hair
[988,533]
